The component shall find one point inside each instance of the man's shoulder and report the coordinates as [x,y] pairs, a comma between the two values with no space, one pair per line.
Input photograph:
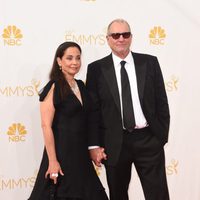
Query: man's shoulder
[101,60]
[98,64]
[143,55]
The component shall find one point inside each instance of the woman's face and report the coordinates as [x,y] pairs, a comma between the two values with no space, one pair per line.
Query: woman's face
[70,62]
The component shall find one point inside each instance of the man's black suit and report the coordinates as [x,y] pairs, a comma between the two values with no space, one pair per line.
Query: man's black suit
[102,85]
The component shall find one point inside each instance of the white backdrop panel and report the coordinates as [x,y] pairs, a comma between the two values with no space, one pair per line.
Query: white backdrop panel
[25,61]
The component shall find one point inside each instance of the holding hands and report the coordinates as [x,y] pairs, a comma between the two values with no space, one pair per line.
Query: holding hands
[97,155]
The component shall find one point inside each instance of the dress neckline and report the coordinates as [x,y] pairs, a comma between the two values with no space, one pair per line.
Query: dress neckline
[81,95]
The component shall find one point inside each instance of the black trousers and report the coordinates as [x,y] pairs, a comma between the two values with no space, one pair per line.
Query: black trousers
[146,152]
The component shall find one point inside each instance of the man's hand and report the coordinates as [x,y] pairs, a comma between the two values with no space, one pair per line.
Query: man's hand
[97,155]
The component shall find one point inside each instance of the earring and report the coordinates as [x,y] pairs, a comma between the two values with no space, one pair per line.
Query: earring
[60,67]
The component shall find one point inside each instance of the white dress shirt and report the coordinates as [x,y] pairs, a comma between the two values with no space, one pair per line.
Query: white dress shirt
[140,120]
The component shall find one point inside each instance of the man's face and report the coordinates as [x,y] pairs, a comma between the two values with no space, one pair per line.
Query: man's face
[120,46]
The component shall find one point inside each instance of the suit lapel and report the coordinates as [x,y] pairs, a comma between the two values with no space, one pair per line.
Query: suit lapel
[109,74]
[140,70]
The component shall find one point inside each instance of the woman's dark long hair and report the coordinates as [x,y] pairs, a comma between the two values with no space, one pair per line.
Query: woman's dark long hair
[56,73]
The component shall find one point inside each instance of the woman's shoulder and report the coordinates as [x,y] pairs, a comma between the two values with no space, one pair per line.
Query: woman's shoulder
[45,90]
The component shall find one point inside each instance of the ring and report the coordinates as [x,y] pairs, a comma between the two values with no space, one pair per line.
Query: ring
[54,174]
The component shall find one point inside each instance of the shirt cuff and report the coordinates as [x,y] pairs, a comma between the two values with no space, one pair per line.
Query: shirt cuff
[93,147]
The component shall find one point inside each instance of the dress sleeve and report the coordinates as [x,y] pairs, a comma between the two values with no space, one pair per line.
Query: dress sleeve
[45,90]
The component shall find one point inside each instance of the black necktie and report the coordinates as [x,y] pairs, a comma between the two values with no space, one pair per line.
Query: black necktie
[128,113]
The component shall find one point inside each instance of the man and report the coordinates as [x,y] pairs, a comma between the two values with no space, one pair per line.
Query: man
[133,112]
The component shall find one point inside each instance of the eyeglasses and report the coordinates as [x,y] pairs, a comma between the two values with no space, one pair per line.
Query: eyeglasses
[116,36]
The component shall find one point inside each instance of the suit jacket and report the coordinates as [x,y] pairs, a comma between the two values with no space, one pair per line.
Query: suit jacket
[102,86]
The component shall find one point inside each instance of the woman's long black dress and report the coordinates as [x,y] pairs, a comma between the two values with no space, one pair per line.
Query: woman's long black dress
[70,127]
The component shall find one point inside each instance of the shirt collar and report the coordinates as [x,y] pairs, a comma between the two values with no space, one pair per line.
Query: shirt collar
[117,60]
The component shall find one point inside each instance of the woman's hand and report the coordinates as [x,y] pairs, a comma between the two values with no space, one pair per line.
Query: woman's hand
[54,170]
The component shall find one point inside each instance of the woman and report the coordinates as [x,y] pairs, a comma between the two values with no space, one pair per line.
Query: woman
[66,171]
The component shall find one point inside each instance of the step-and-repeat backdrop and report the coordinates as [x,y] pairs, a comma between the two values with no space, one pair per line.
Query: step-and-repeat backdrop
[30,32]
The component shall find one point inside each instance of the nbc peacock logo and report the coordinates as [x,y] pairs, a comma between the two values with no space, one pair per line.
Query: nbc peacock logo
[16,132]
[157,36]
[12,36]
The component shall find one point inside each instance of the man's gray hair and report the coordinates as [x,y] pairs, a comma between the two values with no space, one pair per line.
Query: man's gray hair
[118,21]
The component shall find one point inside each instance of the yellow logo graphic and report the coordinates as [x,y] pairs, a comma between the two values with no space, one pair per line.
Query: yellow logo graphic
[172,168]
[26,90]
[83,39]
[16,132]
[157,36]
[12,36]
[171,85]
[36,85]
[19,183]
